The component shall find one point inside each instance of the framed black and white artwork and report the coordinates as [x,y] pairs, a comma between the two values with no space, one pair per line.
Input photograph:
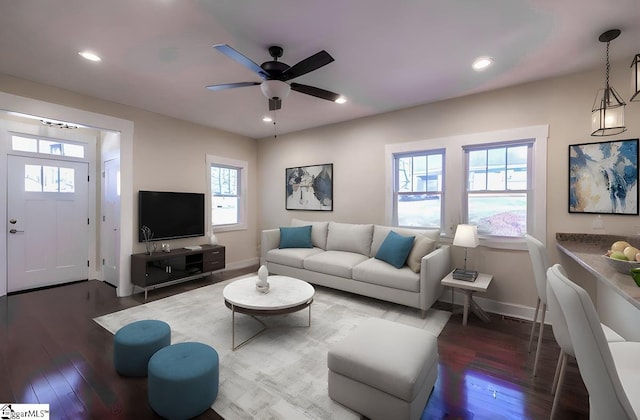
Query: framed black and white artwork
[309,187]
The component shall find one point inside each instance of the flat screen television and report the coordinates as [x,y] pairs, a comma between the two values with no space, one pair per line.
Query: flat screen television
[170,215]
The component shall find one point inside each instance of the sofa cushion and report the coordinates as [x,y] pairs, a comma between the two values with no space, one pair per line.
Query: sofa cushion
[295,237]
[349,237]
[335,263]
[380,233]
[292,257]
[395,249]
[379,272]
[318,231]
[421,247]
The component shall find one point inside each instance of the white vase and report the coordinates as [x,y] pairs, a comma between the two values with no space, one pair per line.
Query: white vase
[212,239]
[262,283]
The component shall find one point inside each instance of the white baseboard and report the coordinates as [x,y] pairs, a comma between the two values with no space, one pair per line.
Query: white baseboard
[236,265]
[496,307]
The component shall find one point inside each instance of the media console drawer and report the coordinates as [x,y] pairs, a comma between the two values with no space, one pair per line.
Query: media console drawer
[164,268]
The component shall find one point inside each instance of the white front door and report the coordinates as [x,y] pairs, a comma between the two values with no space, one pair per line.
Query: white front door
[111,222]
[47,223]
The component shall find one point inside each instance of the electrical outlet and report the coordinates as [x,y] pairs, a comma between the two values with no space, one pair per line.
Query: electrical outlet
[598,223]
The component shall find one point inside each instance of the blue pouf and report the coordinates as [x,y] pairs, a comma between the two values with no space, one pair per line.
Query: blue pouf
[183,380]
[135,343]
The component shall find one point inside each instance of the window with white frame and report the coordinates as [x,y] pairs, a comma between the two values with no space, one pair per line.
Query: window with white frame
[498,193]
[418,180]
[493,179]
[228,189]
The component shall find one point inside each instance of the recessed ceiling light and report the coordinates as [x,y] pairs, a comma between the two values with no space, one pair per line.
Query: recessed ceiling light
[482,63]
[267,119]
[341,100]
[89,56]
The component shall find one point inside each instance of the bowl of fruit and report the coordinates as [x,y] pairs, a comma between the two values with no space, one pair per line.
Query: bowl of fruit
[623,257]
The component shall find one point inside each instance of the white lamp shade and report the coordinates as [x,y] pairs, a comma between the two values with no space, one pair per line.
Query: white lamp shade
[466,236]
[275,89]
[607,115]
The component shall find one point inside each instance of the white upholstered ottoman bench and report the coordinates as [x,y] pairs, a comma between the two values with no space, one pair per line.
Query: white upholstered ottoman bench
[384,370]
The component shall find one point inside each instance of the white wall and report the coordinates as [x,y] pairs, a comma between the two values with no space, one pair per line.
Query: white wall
[356,148]
[159,153]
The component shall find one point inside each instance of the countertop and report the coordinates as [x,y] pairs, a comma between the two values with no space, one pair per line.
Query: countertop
[588,250]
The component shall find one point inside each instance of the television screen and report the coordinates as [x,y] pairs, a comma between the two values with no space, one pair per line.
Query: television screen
[170,215]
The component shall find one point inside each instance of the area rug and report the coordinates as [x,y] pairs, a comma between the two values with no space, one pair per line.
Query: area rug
[282,373]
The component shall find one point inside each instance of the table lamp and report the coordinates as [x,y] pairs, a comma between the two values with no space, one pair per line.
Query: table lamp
[466,236]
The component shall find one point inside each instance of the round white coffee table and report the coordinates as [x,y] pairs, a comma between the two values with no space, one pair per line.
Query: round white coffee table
[286,295]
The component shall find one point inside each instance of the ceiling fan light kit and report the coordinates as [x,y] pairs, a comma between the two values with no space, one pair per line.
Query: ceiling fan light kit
[607,114]
[276,74]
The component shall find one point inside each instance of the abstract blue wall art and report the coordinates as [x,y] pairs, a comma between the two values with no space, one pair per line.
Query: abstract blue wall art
[309,187]
[603,177]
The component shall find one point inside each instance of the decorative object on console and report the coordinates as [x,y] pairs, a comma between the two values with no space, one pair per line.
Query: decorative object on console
[212,239]
[635,79]
[466,236]
[262,283]
[166,248]
[603,177]
[309,187]
[607,114]
[147,236]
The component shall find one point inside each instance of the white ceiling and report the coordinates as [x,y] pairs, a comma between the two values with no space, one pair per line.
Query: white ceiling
[158,55]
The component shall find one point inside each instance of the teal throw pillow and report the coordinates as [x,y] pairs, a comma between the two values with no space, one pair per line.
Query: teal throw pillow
[395,249]
[295,237]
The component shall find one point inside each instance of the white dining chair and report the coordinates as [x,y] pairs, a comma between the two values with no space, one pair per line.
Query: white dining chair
[610,371]
[540,265]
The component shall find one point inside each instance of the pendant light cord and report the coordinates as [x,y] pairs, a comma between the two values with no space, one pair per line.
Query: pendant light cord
[608,67]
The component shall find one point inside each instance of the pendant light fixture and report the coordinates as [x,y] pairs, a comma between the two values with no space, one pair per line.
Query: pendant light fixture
[635,79]
[607,115]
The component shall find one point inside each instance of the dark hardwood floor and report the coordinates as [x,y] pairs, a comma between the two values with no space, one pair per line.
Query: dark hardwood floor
[52,352]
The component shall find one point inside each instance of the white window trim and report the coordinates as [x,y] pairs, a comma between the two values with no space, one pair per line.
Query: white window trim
[213,160]
[455,175]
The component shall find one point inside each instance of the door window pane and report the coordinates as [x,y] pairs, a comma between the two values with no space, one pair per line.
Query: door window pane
[48,179]
[47,147]
[33,178]
[24,144]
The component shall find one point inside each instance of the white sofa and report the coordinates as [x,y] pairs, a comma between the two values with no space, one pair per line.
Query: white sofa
[343,256]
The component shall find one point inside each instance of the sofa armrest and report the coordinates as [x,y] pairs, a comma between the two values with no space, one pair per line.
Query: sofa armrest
[270,239]
[433,268]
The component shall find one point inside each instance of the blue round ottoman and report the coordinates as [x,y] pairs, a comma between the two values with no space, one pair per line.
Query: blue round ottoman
[183,380]
[135,343]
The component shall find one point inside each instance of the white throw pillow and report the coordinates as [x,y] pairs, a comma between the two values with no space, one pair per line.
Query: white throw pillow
[421,247]
[318,231]
[350,237]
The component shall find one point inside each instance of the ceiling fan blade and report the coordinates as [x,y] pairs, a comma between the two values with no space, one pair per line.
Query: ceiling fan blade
[242,59]
[275,104]
[314,91]
[312,63]
[232,85]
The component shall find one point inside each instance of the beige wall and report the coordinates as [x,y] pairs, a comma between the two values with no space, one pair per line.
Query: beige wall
[168,154]
[356,148]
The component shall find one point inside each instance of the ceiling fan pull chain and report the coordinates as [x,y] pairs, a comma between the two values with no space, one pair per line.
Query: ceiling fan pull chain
[275,129]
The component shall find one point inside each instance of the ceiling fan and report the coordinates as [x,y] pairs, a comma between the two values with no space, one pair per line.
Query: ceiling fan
[275,75]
